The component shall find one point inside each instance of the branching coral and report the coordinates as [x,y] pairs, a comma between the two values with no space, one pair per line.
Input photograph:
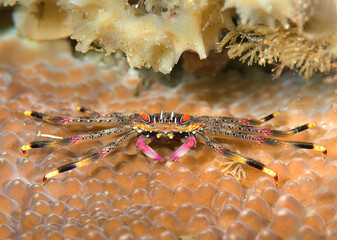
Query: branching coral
[281,46]
[150,33]
[272,11]
[40,20]
[298,34]
[231,168]
[291,33]
[154,39]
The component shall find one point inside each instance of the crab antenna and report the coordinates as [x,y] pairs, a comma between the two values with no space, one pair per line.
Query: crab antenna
[172,114]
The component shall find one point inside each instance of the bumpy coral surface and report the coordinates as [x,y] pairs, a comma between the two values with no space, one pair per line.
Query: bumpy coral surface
[126,194]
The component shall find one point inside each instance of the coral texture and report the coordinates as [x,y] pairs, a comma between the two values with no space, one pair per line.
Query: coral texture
[150,33]
[283,47]
[128,195]
[298,34]
[156,33]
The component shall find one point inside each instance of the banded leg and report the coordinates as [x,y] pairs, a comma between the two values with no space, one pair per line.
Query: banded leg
[212,143]
[258,130]
[75,139]
[109,119]
[244,121]
[263,140]
[91,158]
[183,149]
[142,144]
[92,113]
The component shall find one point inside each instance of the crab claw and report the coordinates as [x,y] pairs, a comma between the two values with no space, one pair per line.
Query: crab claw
[147,150]
[183,149]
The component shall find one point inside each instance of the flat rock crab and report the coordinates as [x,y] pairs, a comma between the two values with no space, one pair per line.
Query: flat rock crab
[166,127]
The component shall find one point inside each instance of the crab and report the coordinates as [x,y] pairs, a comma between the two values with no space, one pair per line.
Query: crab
[167,127]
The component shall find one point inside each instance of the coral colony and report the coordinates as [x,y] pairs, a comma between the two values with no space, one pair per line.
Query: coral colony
[225,187]
[288,33]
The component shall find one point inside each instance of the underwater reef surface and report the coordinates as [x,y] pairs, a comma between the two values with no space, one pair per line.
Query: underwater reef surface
[127,194]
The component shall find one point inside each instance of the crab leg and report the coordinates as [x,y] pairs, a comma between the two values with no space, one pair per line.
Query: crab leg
[91,158]
[142,144]
[108,119]
[257,130]
[91,113]
[266,141]
[235,156]
[244,121]
[183,149]
[75,139]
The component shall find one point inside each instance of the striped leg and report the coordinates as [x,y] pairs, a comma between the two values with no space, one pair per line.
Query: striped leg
[263,140]
[108,119]
[235,156]
[245,121]
[259,130]
[76,139]
[91,158]
[92,113]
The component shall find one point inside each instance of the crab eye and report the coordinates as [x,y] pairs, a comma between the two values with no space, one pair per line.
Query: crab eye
[185,119]
[145,117]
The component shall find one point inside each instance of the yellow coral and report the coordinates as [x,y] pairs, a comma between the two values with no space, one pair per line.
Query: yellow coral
[283,47]
[298,34]
[150,33]
[262,11]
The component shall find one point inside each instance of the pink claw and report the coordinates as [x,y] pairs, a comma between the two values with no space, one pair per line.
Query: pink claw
[147,150]
[183,149]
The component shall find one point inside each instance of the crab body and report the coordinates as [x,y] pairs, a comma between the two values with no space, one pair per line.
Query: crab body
[166,128]
[167,125]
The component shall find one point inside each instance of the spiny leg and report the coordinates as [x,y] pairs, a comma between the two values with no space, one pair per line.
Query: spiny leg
[142,144]
[212,143]
[109,119]
[183,149]
[75,139]
[91,158]
[259,130]
[218,132]
[244,121]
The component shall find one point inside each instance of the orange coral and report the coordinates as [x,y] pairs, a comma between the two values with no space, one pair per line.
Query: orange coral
[129,195]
